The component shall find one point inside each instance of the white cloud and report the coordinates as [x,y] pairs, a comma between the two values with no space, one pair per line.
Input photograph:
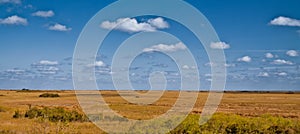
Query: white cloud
[219,45]
[46,72]
[245,59]
[158,23]
[188,67]
[229,65]
[44,14]
[185,67]
[47,62]
[59,27]
[208,80]
[285,21]
[14,20]
[97,64]
[263,74]
[51,68]
[209,64]
[207,75]
[269,55]
[15,71]
[282,74]
[292,53]
[281,62]
[10,1]
[166,48]
[132,25]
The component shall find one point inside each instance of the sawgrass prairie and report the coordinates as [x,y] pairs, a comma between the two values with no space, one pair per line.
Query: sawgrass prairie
[238,112]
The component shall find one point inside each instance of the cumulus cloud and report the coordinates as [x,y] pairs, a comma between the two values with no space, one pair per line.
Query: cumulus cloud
[131,25]
[208,79]
[211,64]
[158,23]
[59,27]
[188,67]
[48,70]
[10,1]
[46,67]
[51,68]
[292,53]
[269,55]
[44,14]
[285,21]
[97,64]
[14,20]
[282,74]
[166,48]
[245,59]
[219,45]
[207,75]
[281,62]
[229,65]
[15,71]
[263,74]
[47,62]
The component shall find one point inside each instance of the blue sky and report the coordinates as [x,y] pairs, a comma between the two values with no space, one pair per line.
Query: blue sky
[260,39]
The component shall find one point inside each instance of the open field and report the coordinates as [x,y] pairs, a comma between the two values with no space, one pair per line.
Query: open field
[236,108]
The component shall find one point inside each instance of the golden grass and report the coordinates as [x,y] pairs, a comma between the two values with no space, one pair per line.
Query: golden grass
[244,104]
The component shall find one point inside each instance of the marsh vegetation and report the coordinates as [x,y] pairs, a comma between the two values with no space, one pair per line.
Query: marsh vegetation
[243,112]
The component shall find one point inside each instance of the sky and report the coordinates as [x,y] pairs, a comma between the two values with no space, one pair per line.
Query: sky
[260,39]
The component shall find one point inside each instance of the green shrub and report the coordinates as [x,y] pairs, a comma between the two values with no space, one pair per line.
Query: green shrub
[290,92]
[55,114]
[25,89]
[28,90]
[17,114]
[50,95]
[236,124]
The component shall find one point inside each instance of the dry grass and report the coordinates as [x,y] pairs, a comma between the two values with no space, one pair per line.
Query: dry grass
[244,104]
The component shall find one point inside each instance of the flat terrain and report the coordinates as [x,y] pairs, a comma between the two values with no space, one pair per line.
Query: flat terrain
[246,104]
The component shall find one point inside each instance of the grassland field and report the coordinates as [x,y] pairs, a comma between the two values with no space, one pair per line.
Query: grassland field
[238,112]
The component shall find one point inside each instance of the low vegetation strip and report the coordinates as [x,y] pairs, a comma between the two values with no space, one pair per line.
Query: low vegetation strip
[48,95]
[236,124]
[55,114]
[239,112]
[219,123]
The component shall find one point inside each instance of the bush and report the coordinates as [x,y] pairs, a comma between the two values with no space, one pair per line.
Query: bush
[236,124]
[17,114]
[55,114]
[28,90]
[49,95]
[25,89]
[290,92]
